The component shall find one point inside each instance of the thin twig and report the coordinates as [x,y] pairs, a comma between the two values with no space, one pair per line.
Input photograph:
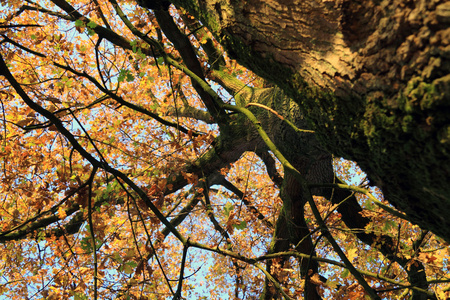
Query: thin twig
[183,264]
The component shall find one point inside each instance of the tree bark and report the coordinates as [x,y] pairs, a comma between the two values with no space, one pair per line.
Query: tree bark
[371,77]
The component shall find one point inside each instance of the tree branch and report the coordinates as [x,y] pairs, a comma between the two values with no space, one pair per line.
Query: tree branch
[215,57]
[192,112]
[183,45]
[177,295]
[271,167]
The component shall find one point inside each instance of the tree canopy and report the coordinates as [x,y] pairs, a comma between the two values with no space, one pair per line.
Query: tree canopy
[139,160]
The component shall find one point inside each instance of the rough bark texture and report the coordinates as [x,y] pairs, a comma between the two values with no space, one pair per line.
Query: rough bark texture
[372,77]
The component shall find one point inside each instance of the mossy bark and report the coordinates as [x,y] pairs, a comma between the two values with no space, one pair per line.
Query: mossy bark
[371,77]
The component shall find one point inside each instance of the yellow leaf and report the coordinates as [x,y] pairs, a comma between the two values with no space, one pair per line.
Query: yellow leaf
[351,254]
[62,213]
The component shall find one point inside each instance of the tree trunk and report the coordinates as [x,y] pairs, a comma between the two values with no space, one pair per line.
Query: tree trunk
[372,77]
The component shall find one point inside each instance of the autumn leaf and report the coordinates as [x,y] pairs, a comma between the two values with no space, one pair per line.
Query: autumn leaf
[352,254]
[61,212]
